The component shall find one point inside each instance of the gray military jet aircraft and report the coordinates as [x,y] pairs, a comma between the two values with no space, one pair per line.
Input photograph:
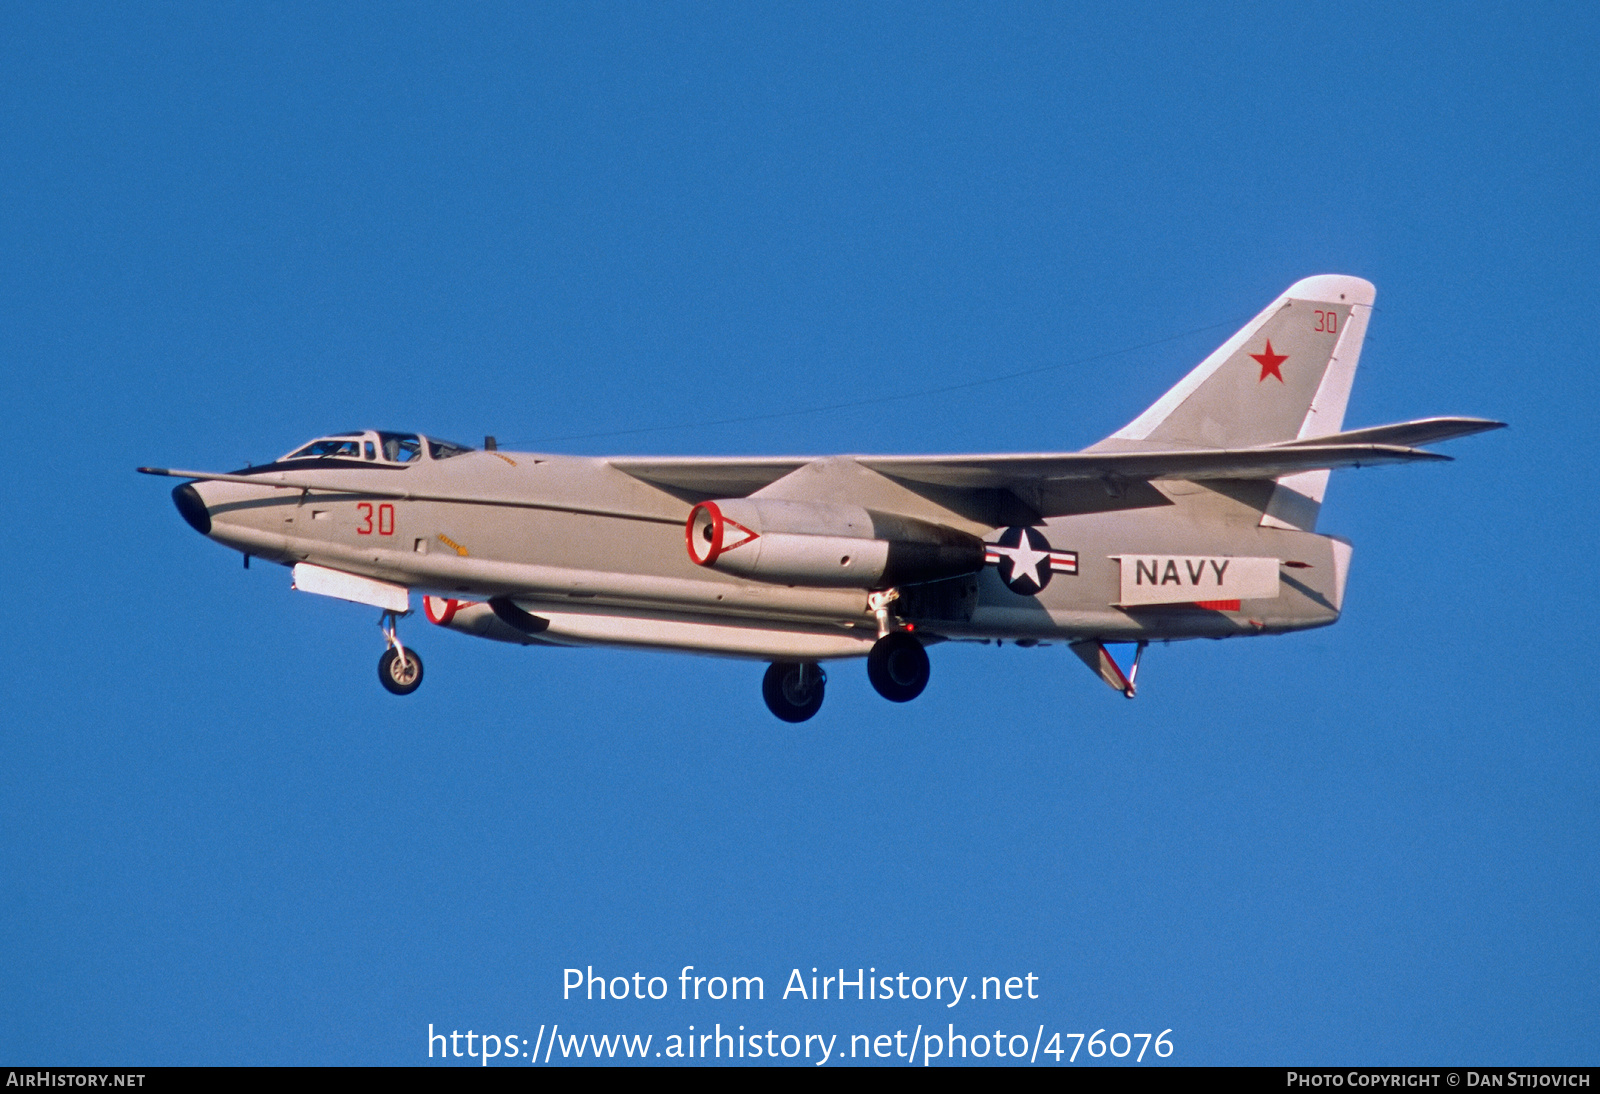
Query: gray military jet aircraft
[1196,520]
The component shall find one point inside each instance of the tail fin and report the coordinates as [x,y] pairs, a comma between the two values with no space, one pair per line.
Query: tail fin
[1285,376]
[1287,370]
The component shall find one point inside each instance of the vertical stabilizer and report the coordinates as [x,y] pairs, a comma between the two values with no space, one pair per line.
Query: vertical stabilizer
[1285,375]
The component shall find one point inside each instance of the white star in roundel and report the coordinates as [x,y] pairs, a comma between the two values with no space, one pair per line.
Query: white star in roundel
[1024,561]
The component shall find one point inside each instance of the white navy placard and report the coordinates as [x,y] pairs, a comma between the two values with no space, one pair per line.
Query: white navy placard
[1190,579]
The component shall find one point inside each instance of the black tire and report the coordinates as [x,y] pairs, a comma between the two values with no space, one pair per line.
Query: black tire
[398,678]
[898,667]
[790,698]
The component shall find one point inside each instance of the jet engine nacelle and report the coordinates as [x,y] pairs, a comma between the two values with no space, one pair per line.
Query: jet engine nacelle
[809,543]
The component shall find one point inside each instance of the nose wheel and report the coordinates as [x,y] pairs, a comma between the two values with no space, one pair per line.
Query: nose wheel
[794,692]
[399,669]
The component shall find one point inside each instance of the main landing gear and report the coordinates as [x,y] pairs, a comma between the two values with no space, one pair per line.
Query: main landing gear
[898,667]
[399,669]
[794,692]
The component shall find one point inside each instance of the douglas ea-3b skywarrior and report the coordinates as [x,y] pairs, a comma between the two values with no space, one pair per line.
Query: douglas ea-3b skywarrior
[1196,520]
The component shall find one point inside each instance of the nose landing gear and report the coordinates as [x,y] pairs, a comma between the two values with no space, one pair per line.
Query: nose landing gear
[399,669]
[794,692]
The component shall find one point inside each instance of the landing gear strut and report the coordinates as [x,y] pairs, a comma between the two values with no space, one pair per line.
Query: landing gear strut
[794,692]
[399,669]
[898,667]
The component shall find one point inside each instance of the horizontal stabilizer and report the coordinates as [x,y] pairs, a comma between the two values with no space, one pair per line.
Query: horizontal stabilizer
[1421,431]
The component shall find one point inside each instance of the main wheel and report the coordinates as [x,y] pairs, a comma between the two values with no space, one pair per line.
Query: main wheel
[794,692]
[898,667]
[400,677]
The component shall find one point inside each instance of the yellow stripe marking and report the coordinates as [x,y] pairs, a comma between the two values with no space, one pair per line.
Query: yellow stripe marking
[448,542]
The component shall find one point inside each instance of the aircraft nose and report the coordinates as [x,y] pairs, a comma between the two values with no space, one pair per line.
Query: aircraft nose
[192,508]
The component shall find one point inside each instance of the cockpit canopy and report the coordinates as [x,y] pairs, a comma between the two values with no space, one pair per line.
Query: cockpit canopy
[377,446]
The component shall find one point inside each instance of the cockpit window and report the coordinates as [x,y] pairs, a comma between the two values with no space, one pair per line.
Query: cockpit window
[329,448]
[400,447]
[443,450]
[391,447]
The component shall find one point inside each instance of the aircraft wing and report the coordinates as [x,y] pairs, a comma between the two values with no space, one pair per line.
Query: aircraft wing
[1191,464]
[731,477]
[1385,444]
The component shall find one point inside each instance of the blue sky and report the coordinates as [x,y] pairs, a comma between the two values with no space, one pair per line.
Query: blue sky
[601,228]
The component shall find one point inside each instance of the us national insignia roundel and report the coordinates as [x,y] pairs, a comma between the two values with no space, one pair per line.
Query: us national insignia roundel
[1026,560]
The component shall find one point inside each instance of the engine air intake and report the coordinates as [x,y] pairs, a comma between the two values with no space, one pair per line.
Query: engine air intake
[836,546]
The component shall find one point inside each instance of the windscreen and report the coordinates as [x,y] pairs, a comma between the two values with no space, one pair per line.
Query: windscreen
[328,448]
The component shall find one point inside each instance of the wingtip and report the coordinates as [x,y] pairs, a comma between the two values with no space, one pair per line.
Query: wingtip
[151,470]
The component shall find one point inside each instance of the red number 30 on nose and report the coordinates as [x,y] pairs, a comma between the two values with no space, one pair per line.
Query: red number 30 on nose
[385,519]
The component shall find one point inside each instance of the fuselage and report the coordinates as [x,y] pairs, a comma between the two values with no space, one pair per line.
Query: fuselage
[599,556]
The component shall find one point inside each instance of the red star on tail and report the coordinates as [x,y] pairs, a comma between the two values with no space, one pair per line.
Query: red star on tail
[1269,362]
